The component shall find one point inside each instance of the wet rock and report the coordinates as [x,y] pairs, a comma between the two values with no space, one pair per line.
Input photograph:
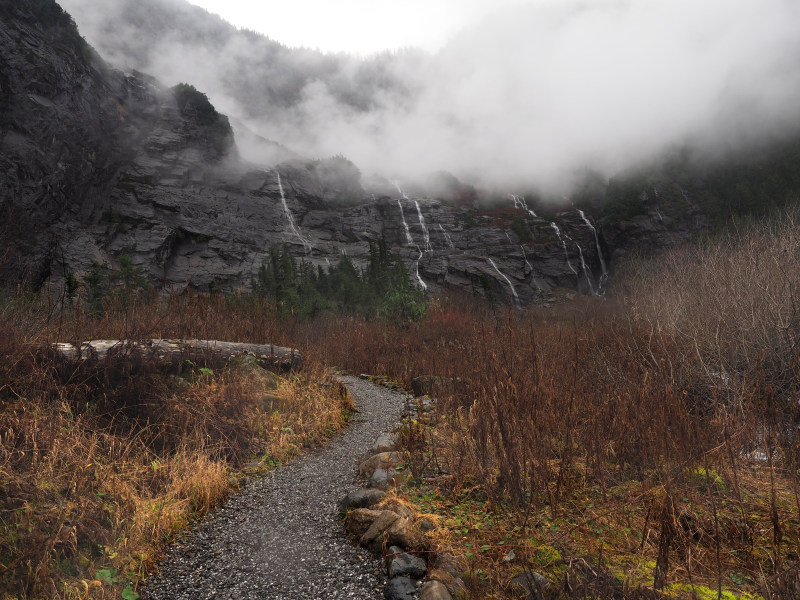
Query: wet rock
[536,586]
[401,588]
[373,537]
[386,442]
[380,479]
[394,505]
[360,520]
[434,590]
[360,499]
[401,533]
[384,460]
[407,565]
[427,525]
[453,584]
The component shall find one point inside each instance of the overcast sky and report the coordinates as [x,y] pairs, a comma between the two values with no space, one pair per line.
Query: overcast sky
[356,26]
[521,92]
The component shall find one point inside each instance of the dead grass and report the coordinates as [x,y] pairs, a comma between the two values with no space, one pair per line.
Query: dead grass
[104,465]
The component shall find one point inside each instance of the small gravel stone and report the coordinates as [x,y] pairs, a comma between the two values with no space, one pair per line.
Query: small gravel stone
[281,538]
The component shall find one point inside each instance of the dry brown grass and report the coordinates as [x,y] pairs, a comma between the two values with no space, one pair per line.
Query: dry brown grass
[103,465]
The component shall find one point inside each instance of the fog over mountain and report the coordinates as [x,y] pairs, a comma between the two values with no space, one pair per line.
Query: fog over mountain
[534,93]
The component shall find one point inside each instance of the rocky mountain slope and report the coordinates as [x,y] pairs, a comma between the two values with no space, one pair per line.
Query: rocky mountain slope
[96,163]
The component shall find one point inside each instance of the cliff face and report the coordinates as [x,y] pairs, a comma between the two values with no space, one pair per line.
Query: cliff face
[96,163]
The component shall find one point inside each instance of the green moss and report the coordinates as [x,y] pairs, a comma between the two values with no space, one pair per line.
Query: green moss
[708,479]
[702,592]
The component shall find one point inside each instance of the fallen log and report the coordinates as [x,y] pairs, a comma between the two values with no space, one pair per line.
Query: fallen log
[268,356]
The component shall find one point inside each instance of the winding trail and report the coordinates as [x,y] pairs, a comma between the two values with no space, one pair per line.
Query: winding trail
[280,538]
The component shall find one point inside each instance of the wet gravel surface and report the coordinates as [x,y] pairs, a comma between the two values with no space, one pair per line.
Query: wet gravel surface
[281,536]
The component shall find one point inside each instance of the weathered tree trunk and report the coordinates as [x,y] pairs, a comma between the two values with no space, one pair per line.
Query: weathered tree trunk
[267,355]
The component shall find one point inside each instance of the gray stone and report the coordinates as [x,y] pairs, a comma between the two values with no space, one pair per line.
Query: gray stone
[386,442]
[383,460]
[434,590]
[400,588]
[427,525]
[536,586]
[380,479]
[373,537]
[360,520]
[407,565]
[360,499]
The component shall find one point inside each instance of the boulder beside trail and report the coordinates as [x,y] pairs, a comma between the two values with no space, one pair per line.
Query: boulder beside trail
[384,460]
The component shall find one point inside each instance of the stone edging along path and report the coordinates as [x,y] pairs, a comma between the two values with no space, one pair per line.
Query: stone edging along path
[281,537]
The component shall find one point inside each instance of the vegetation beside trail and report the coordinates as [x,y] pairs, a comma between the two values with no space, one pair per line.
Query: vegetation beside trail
[639,445]
[103,465]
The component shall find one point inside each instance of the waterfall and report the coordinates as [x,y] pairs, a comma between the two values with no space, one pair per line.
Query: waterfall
[586,270]
[447,237]
[400,190]
[604,276]
[289,217]
[422,284]
[426,236]
[525,258]
[508,281]
[519,202]
[563,245]
[409,239]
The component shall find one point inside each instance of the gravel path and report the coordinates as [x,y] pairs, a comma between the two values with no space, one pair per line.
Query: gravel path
[281,537]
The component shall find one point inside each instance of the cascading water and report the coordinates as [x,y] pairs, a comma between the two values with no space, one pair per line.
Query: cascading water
[519,202]
[508,281]
[448,238]
[525,258]
[585,269]
[290,218]
[426,236]
[409,239]
[604,276]
[563,245]
[422,284]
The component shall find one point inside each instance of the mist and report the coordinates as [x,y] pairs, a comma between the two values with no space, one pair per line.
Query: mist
[526,98]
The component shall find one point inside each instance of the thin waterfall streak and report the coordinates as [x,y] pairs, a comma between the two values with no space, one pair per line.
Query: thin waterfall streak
[564,246]
[422,284]
[306,244]
[409,239]
[447,238]
[603,268]
[508,281]
[586,270]
[426,236]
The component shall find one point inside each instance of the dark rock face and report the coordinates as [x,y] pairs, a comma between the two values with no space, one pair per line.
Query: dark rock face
[400,588]
[96,163]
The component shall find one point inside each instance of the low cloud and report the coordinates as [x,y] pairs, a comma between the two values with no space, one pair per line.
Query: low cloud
[532,94]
